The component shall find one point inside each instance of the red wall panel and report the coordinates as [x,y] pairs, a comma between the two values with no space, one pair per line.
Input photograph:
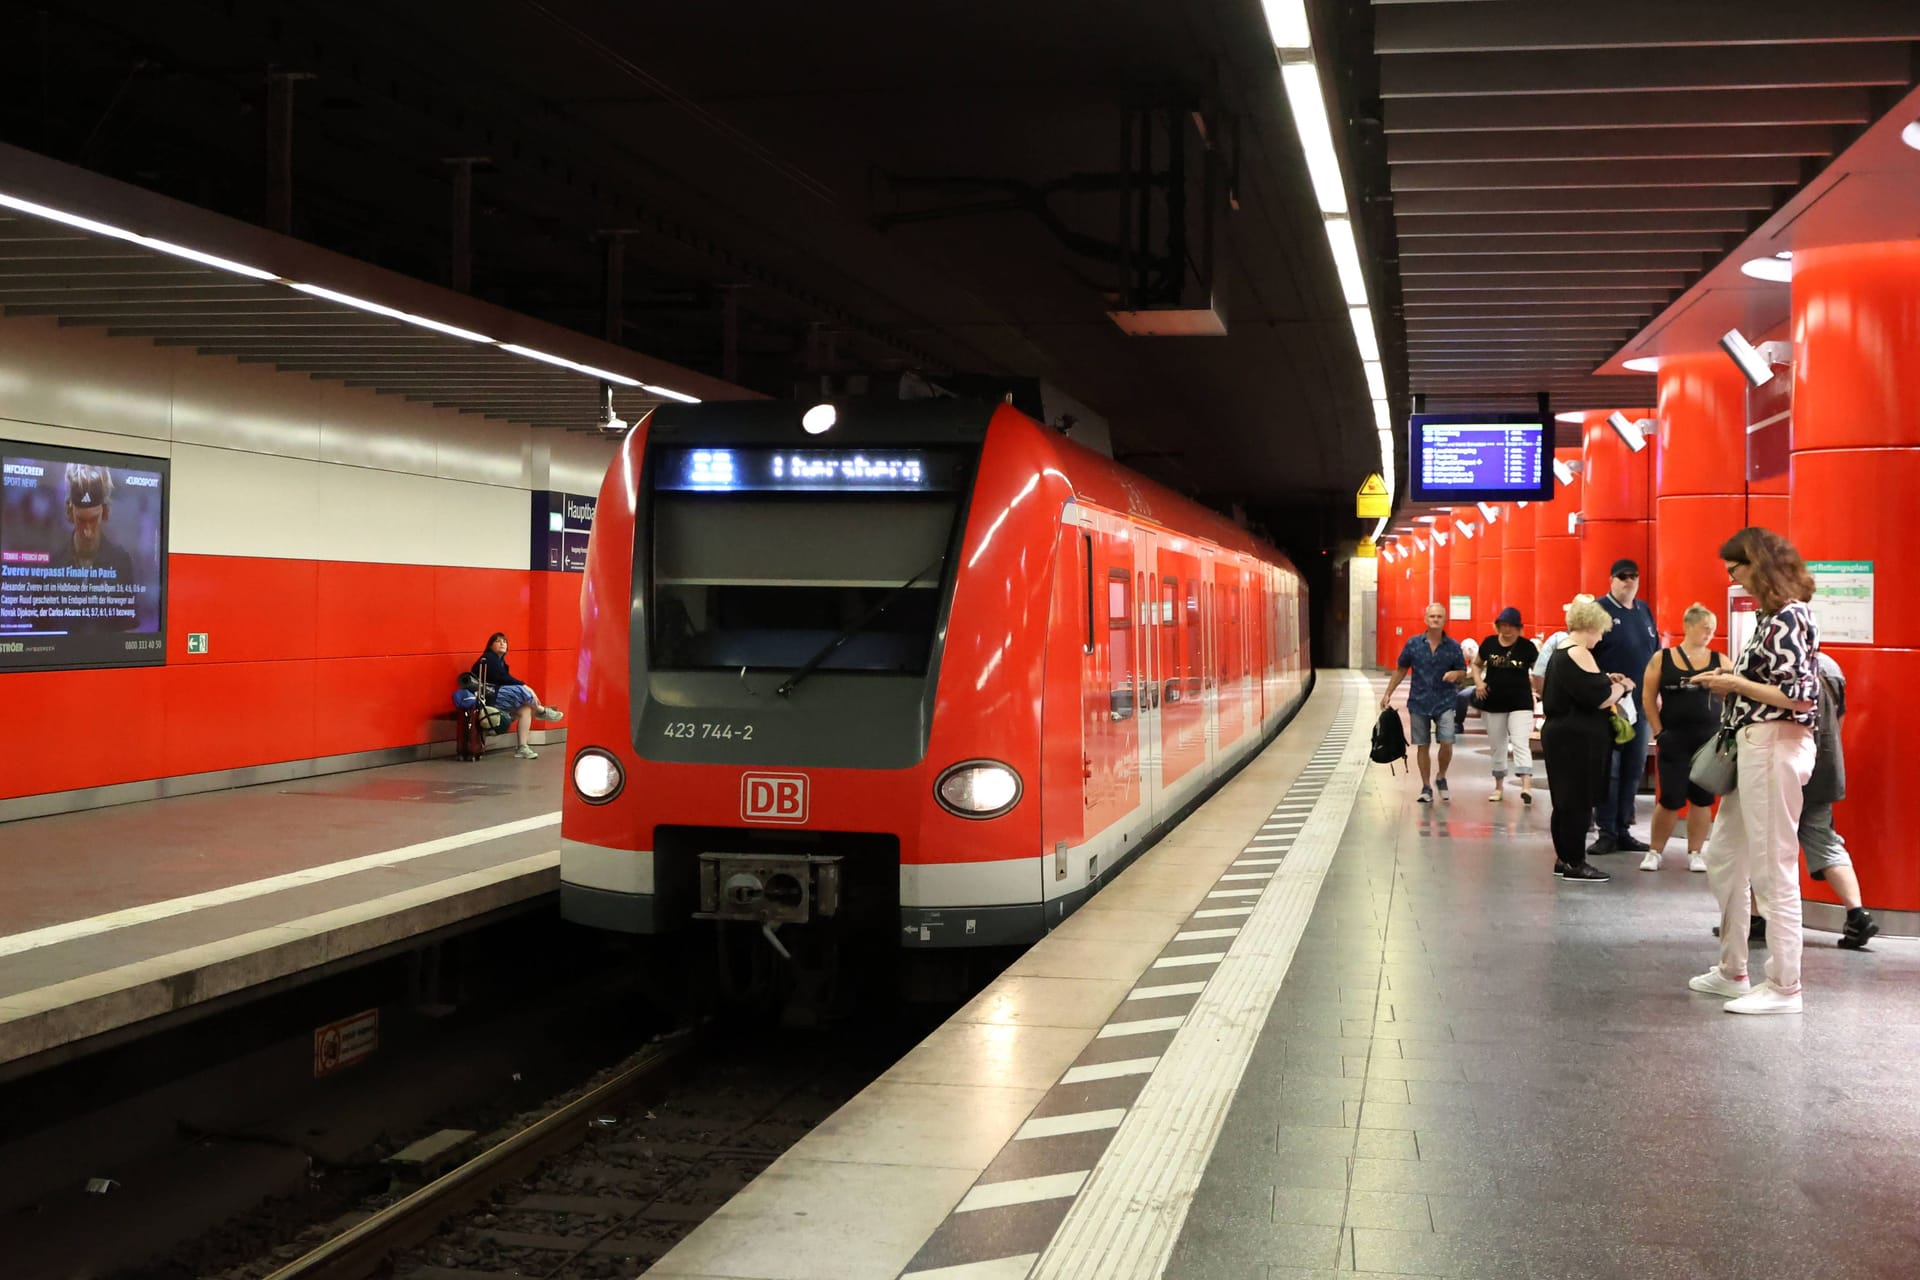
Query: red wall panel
[307,659]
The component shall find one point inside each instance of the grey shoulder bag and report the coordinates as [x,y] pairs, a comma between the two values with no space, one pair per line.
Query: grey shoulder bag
[1715,767]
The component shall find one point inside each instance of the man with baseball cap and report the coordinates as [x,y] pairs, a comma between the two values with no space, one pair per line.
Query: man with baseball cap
[1625,650]
[89,506]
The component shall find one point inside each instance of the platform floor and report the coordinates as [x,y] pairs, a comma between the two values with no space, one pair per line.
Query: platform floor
[1323,1030]
[115,916]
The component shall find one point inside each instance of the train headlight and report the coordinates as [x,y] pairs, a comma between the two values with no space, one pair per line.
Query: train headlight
[597,776]
[978,789]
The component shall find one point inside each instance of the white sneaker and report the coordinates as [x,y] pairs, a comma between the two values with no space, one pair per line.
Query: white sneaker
[1651,862]
[1765,998]
[527,753]
[1715,983]
[1497,797]
[549,713]
[1696,861]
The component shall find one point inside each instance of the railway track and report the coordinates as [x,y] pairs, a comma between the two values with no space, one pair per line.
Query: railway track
[605,1184]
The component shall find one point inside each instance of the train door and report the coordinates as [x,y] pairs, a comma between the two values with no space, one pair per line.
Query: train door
[1110,693]
[1200,613]
[1229,657]
[1183,752]
[1147,645]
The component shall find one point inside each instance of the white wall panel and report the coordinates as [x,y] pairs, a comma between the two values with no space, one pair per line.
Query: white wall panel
[227,502]
[579,461]
[55,376]
[362,428]
[218,401]
[13,429]
[281,465]
[485,452]
[480,526]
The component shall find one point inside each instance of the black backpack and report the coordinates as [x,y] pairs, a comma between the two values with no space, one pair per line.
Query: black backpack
[1389,739]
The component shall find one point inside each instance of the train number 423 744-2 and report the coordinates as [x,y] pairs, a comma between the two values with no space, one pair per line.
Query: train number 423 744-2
[708,729]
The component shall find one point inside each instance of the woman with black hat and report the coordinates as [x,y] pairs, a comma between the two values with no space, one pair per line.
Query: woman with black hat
[1503,689]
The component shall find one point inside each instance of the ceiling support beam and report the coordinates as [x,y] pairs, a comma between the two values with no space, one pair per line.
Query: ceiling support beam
[1495,26]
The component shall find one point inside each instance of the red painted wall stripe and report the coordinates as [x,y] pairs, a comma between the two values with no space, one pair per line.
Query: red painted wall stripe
[307,658]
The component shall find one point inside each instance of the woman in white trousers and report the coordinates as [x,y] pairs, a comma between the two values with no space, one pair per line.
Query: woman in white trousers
[1502,673]
[1771,692]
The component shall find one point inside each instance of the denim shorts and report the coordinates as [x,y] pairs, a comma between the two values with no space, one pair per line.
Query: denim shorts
[1426,727]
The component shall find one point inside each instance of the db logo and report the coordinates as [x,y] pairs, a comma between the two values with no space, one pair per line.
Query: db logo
[773,797]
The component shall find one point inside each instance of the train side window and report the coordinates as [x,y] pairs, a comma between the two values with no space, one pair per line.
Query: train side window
[1119,644]
[1086,549]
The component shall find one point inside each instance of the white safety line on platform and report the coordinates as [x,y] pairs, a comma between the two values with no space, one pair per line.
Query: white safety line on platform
[1170,990]
[1014,1268]
[1108,1070]
[1143,1027]
[1222,913]
[1124,1224]
[54,934]
[1189,962]
[1072,1122]
[997,1195]
[1201,935]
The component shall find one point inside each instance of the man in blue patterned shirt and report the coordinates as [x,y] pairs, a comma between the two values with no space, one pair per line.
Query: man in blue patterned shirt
[1438,664]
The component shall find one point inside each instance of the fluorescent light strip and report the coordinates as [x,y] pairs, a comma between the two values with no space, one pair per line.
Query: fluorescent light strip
[1302,82]
[1376,379]
[133,237]
[1346,261]
[565,363]
[669,393]
[1287,20]
[1363,334]
[392,313]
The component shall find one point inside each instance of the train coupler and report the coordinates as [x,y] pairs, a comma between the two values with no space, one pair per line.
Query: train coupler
[768,889]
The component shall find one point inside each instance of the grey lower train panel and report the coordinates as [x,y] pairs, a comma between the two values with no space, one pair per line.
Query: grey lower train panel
[606,909]
[998,926]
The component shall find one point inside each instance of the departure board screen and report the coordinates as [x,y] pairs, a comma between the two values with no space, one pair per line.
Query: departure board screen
[1480,457]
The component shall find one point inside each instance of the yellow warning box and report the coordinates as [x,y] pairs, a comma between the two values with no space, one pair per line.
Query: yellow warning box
[1373,501]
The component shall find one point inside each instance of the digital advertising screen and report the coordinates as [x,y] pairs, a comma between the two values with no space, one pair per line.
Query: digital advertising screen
[83,564]
[1486,457]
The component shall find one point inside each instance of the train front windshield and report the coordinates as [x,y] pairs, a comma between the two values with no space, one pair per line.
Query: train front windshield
[765,558]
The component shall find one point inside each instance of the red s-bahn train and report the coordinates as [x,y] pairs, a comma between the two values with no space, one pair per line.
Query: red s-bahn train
[921,667]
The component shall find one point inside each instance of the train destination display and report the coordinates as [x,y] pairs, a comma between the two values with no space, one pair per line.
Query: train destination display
[809,470]
[83,579]
[1480,457]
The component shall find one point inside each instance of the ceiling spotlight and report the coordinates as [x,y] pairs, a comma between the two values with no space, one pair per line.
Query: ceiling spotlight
[1487,513]
[1562,472]
[610,422]
[1574,416]
[1633,434]
[1778,269]
[1465,529]
[1573,523]
[1911,135]
[819,419]
[1644,364]
[1439,538]
[1758,370]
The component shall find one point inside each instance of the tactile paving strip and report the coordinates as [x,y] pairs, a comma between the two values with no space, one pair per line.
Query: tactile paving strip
[1007,1220]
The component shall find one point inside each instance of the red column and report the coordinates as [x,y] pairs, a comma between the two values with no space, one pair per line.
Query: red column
[1699,485]
[1855,474]
[1439,562]
[1516,559]
[1465,579]
[1616,505]
[1556,552]
[1491,598]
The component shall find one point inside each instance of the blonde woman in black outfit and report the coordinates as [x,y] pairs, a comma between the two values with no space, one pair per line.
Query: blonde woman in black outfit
[1578,736]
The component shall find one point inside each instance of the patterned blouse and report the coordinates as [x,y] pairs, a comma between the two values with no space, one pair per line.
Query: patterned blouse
[1782,654]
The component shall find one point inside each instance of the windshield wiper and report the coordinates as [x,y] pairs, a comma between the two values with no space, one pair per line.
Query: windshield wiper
[860,624]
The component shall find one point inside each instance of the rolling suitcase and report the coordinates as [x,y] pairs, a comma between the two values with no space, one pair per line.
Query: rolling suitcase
[469,733]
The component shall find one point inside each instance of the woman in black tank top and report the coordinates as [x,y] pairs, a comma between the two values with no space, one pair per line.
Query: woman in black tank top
[1682,717]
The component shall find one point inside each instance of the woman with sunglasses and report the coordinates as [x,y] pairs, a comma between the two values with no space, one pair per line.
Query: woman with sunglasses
[1771,690]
